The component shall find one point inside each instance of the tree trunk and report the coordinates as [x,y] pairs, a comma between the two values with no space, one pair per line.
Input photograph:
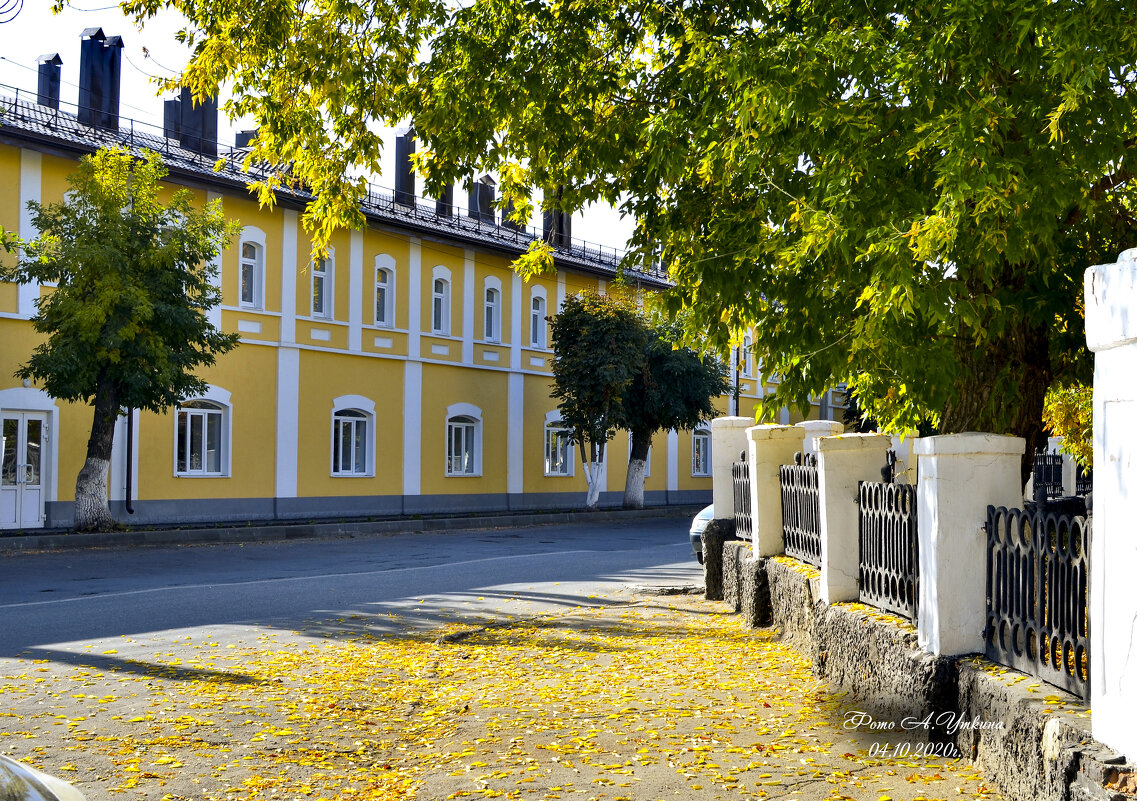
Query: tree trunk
[1000,388]
[592,456]
[637,466]
[92,513]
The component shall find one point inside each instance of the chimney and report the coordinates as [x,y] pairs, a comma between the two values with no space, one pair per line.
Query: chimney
[100,69]
[198,129]
[481,199]
[49,75]
[556,225]
[444,207]
[245,139]
[506,218]
[404,174]
[172,119]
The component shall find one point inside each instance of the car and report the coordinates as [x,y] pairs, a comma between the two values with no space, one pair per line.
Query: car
[21,782]
[698,525]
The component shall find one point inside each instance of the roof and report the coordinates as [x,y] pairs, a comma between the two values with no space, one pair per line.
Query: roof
[23,119]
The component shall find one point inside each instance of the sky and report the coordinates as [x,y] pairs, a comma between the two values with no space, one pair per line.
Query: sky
[155,52]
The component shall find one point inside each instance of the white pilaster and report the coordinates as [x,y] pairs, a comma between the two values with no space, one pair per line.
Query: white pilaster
[672,461]
[214,313]
[516,320]
[561,290]
[116,487]
[515,434]
[288,277]
[412,428]
[31,172]
[414,302]
[287,420]
[770,447]
[842,463]
[728,444]
[960,476]
[469,293]
[355,293]
[1111,333]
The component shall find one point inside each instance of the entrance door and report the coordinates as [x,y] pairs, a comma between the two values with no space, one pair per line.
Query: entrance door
[22,469]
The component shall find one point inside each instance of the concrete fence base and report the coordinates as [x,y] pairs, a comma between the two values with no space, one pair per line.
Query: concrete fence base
[715,536]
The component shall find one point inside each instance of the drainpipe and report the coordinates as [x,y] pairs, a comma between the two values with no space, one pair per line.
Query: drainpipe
[129,461]
[736,390]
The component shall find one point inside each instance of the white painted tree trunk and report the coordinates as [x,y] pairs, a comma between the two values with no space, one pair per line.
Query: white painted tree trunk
[91,510]
[634,486]
[592,472]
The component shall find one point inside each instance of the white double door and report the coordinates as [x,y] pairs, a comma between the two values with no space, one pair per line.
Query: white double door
[23,469]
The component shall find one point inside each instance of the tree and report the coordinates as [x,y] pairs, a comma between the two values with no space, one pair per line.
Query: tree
[900,195]
[598,345]
[1069,413]
[126,324]
[674,388]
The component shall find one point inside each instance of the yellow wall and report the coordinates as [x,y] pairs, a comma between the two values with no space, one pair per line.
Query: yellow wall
[443,386]
[9,219]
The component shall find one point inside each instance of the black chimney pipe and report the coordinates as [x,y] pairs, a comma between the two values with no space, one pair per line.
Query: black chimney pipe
[198,130]
[444,206]
[50,73]
[100,72]
[481,199]
[404,173]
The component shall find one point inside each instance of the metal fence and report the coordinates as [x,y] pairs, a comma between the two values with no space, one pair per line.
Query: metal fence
[888,536]
[1037,594]
[1047,476]
[1083,482]
[743,519]
[801,509]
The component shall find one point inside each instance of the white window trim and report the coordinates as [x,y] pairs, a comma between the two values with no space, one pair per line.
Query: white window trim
[705,432]
[474,413]
[255,236]
[222,398]
[385,262]
[355,403]
[553,422]
[441,273]
[746,356]
[543,343]
[493,283]
[329,273]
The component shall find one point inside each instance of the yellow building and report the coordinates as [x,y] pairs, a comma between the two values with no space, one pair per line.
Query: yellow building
[406,373]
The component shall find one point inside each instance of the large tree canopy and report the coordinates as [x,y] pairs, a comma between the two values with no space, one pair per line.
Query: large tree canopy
[899,194]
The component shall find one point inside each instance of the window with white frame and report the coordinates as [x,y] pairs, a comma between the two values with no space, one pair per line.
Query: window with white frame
[251,268]
[493,315]
[537,326]
[558,449]
[701,452]
[384,297]
[200,440]
[745,357]
[462,445]
[440,307]
[351,437]
[323,270]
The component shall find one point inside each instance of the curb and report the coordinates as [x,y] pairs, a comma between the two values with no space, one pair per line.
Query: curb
[303,531]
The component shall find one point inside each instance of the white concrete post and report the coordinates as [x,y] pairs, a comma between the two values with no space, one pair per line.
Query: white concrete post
[815,429]
[771,447]
[1111,333]
[842,463]
[904,447]
[728,441]
[960,475]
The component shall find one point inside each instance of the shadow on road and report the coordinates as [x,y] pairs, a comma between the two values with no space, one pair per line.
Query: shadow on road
[139,668]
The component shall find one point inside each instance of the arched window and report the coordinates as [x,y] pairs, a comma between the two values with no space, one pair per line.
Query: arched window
[493,315]
[384,295]
[537,323]
[440,307]
[323,275]
[251,274]
[463,440]
[201,438]
[701,452]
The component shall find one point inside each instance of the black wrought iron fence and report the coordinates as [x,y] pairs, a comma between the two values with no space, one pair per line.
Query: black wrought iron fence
[888,536]
[801,509]
[743,519]
[1083,481]
[1038,577]
[1047,476]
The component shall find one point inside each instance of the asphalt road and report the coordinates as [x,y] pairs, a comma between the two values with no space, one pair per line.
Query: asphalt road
[50,603]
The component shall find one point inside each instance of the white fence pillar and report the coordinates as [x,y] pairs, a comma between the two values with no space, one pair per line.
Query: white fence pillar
[842,463]
[815,430]
[1111,332]
[771,447]
[728,442]
[960,475]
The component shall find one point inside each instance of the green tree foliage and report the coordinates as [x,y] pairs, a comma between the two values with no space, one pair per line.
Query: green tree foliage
[1069,413]
[900,195]
[126,324]
[598,346]
[675,388]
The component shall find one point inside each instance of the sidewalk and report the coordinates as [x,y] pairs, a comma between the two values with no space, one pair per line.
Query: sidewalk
[58,539]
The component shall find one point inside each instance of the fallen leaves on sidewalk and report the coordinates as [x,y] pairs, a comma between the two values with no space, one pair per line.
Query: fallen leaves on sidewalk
[652,700]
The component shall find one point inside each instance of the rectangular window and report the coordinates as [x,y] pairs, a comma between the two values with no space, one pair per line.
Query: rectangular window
[321,291]
[558,452]
[349,450]
[199,441]
[460,447]
[701,454]
[381,304]
[250,275]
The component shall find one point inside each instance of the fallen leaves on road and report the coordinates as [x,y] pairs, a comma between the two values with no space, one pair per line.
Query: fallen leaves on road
[644,701]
